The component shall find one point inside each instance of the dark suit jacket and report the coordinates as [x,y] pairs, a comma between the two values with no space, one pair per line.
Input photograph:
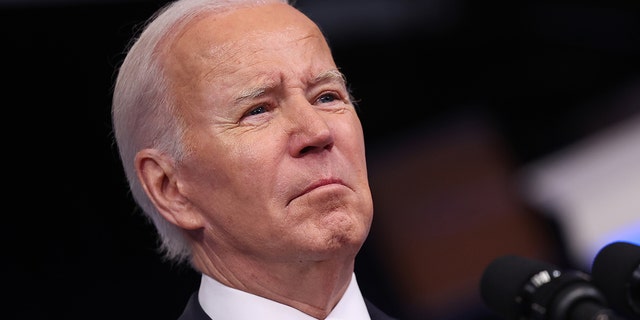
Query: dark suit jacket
[193,311]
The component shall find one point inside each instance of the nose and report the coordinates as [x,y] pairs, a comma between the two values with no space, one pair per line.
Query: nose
[309,129]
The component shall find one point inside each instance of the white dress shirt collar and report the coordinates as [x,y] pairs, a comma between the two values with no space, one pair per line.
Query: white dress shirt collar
[224,303]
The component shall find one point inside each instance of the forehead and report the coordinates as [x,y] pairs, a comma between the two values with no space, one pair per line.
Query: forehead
[221,56]
[217,30]
[256,39]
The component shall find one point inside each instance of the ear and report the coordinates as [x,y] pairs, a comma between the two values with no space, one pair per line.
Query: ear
[159,178]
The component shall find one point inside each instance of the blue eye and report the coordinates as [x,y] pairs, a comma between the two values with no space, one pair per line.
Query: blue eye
[327,98]
[258,110]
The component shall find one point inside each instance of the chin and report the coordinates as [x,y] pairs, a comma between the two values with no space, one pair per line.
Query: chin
[348,240]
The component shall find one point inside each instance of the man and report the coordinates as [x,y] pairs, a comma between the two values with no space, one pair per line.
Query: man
[241,143]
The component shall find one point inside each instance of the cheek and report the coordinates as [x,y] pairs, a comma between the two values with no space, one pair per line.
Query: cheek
[351,132]
[230,188]
[251,158]
[242,161]
[252,168]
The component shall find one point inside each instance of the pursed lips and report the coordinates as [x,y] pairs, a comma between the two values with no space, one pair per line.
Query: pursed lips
[318,184]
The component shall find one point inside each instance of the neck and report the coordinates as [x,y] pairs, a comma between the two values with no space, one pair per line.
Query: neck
[313,287]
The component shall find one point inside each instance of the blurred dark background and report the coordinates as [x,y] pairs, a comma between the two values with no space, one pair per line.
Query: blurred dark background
[456,98]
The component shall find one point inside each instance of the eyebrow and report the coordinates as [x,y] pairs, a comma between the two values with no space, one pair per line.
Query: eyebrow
[332,75]
[250,93]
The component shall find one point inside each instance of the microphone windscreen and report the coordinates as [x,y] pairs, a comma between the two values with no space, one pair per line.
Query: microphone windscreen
[612,271]
[503,281]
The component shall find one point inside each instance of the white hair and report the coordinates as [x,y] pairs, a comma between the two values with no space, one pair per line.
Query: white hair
[144,112]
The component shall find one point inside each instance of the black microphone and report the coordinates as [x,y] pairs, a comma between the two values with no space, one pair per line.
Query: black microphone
[519,288]
[616,271]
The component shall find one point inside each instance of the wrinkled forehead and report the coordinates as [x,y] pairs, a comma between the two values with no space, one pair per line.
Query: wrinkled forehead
[256,46]
[223,43]
[214,31]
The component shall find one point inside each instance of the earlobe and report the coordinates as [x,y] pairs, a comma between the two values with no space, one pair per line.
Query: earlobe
[160,181]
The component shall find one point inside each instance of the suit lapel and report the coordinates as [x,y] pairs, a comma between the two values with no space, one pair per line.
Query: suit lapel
[193,310]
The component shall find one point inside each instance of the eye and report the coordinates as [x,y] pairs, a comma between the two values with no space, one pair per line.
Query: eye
[328,97]
[257,110]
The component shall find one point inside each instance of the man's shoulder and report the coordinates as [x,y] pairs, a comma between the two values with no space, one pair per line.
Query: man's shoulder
[193,310]
[376,313]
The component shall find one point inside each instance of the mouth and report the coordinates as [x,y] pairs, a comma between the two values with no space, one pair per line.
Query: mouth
[316,185]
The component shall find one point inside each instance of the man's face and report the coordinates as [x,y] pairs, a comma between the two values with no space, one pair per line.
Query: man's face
[277,167]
